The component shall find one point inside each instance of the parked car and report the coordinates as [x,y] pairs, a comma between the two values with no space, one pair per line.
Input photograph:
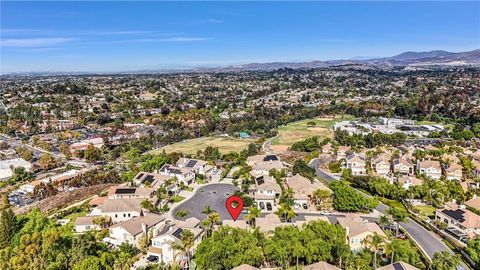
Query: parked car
[152,258]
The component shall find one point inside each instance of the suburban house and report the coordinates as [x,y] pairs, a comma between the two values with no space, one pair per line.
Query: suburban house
[474,202]
[398,266]
[83,145]
[118,209]
[185,175]
[265,192]
[268,223]
[171,234]
[198,166]
[454,172]
[407,181]
[430,168]
[328,149]
[320,266]
[303,190]
[132,230]
[125,192]
[155,180]
[357,230]
[381,165]
[356,163]
[459,217]
[342,152]
[262,164]
[85,224]
[403,165]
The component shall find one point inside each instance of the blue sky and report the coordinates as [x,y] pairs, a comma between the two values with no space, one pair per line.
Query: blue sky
[118,36]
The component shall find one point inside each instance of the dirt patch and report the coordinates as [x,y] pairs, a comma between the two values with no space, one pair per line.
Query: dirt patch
[63,199]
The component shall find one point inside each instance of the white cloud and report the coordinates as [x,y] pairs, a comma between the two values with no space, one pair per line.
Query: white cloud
[34,42]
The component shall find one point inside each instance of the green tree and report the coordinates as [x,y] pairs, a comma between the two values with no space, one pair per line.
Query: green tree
[8,227]
[253,213]
[92,154]
[89,263]
[320,197]
[375,243]
[398,216]
[300,167]
[348,199]
[403,250]
[65,150]
[473,249]
[227,248]
[444,260]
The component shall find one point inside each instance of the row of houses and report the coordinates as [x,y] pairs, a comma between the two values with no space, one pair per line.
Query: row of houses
[266,191]
[386,166]
[127,221]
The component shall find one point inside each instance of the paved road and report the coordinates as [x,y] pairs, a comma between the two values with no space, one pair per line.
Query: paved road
[214,195]
[36,150]
[427,240]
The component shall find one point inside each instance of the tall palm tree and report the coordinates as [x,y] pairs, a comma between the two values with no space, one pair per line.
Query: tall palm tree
[253,213]
[398,216]
[213,218]
[375,243]
[185,244]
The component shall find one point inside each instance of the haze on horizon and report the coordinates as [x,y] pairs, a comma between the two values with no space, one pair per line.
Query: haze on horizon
[121,36]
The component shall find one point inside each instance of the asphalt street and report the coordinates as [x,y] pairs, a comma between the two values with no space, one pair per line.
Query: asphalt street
[428,241]
[214,195]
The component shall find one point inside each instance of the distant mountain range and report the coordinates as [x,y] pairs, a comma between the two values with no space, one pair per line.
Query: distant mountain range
[430,58]
[437,57]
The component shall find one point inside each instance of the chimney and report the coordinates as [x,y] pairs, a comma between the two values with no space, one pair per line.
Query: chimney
[144,228]
[462,206]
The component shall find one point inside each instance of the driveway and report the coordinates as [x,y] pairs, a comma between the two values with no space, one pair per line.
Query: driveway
[214,195]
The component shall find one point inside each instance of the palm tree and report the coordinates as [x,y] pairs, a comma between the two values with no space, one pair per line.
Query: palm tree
[285,212]
[213,218]
[375,243]
[123,261]
[185,244]
[188,239]
[253,213]
[385,220]
[398,216]
[320,196]
[207,210]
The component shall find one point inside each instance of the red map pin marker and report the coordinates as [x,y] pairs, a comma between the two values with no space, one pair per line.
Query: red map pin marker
[234,206]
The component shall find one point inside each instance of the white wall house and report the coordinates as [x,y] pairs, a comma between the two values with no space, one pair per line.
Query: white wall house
[356,163]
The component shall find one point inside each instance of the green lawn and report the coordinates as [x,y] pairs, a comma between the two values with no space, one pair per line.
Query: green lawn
[74,216]
[425,210]
[177,198]
[300,130]
[393,203]
[224,144]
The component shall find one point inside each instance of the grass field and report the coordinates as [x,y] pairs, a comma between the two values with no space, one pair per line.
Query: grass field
[224,144]
[426,210]
[300,130]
